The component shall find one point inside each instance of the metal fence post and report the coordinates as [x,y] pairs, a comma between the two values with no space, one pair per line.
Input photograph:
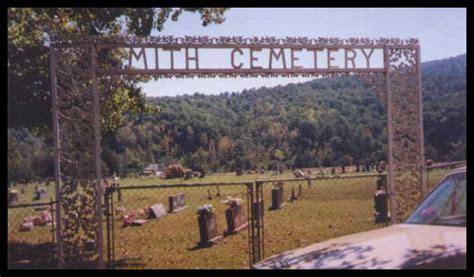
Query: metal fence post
[260,220]
[51,209]
[391,169]
[57,165]
[251,229]
[424,178]
[98,164]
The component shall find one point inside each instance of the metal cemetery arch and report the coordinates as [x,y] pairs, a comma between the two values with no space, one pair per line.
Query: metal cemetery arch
[76,75]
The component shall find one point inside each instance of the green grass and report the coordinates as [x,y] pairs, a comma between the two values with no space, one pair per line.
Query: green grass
[330,208]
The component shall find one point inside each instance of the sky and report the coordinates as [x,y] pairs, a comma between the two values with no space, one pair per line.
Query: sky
[441,32]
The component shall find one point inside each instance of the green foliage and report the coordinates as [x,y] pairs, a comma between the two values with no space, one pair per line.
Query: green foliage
[324,122]
[28,156]
[30,31]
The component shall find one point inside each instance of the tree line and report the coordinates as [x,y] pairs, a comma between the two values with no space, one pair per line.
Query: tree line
[323,122]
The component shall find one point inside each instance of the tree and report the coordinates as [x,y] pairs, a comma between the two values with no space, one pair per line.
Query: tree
[30,31]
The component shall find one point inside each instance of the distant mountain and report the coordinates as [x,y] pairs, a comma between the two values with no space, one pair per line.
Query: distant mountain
[451,66]
[333,121]
[329,122]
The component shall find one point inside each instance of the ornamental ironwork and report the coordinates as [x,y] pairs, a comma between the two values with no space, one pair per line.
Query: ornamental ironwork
[80,66]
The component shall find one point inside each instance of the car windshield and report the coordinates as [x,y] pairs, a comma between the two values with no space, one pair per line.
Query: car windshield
[446,205]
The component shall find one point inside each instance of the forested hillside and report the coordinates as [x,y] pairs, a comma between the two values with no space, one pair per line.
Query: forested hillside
[324,122]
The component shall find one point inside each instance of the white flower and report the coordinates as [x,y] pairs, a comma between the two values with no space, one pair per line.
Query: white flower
[208,208]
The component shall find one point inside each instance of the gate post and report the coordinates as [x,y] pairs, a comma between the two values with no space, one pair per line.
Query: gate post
[256,236]
[98,164]
[258,217]
[108,219]
[423,173]
[390,176]
[57,170]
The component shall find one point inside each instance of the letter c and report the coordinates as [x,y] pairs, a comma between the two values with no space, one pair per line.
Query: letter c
[233,58]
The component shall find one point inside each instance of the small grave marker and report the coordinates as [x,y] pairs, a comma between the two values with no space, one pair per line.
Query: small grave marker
[40,193]
[12,197]
[157,211]
[177,203]
[138,222]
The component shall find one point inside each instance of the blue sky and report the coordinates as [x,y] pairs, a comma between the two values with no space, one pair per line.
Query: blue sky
[441,31]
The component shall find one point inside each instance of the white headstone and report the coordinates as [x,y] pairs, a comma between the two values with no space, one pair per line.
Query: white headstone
[157,211]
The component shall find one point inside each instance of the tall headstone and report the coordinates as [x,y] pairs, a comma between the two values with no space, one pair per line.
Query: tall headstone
[277,198]
[381,207]
[236,220]
[208,230]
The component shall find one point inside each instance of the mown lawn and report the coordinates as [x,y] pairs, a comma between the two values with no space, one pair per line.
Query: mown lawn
[328,209]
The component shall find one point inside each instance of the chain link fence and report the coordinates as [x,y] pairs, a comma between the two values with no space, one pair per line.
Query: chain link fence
[31,234]
[158,226]
[436,172]
[299,212]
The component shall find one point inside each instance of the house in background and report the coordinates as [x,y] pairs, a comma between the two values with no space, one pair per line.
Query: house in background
[153,170]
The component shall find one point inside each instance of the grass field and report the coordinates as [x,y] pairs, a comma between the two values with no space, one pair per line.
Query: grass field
[330,208]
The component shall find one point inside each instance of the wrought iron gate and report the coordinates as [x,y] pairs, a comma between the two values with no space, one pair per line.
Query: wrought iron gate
[121,201]
[75,80]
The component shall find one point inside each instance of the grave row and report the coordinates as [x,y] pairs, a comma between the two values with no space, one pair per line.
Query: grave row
[207,220]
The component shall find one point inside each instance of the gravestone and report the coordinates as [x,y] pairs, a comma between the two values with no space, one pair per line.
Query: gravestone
[236,220]
[208,231]
[381,207]
[157,211]
[12,197]
[277,198]
[40,193]
[177,203]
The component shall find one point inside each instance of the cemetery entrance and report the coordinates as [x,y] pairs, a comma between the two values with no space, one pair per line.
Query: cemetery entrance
[81,77]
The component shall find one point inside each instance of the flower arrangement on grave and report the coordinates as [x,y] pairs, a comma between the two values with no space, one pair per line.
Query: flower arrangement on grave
[131,216]
[207,209]
[233,201]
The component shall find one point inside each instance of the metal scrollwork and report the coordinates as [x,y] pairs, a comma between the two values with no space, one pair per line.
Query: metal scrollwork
[76,142]
[407,146]
[239,40]
[76,153]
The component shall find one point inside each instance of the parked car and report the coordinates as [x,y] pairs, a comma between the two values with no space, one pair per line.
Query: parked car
[433,237]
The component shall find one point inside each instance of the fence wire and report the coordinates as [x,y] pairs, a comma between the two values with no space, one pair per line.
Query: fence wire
[173,239]
[317,209]
[31,241]
[437,172]
[314,209]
